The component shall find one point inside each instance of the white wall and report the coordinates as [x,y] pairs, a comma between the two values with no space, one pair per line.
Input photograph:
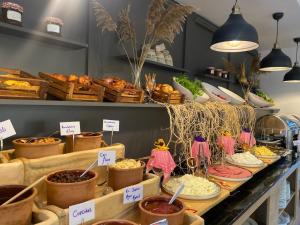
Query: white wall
[285,95]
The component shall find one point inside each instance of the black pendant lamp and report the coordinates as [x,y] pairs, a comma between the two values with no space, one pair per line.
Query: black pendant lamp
[293,75]
[276,60]
[236,35]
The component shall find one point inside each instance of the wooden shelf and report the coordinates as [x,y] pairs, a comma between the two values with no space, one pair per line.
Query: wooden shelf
[161,65]
[287,203]
[39,36]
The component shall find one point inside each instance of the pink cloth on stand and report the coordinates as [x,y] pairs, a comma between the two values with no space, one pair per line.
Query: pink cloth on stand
[247,138]
[161,159]
[196,151]
[227,143]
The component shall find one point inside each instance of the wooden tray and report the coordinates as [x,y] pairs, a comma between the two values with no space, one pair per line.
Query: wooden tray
[37,90]
[171,98]
[125,96]
[73,91]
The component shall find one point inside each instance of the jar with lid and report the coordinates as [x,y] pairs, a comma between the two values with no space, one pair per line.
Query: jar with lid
[12,13]
[218,72]
[54,26]
[210,70]
[225,74]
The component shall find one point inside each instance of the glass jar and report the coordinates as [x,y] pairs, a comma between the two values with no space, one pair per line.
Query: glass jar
[218,72]
[54,26]
[12,13]
[210,70]
[225,74]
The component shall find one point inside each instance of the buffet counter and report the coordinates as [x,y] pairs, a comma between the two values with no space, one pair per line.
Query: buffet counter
[259,197]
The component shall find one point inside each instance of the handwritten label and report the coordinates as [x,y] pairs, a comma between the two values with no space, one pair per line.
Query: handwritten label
[6,129]
[133,194]
[83,212]
[111,125]
[53,28]
[161,222]
[14,15]
[69,128]
[106,158]
[296,143]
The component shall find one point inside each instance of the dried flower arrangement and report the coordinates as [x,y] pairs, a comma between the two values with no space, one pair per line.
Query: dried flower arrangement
[209,121]
[247,81]
[164,21]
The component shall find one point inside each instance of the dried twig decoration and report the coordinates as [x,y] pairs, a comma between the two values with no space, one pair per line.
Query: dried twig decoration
[164,21]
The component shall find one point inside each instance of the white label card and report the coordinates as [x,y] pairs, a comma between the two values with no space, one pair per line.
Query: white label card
[69,128]
[161,222]
[106,158]
[133,194]
[53,28]
[81,213]
[6,129]
[296,143]
[13,15]
[111,125]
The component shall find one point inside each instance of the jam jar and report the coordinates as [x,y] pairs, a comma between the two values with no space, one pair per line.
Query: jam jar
[54,26]
[225,74]
[218,72]
[210,70]
[12,13]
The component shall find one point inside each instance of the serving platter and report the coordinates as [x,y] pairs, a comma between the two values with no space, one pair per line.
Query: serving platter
[214,93]
[231,179]
[194,197]
[229,160]
[234,98]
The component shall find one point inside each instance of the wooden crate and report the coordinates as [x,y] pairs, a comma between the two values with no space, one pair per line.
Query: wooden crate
[171,98]
[19,73]
[123,96]
[37,90]
[73,91]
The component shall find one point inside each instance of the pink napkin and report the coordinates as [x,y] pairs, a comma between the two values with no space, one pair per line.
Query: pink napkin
[247,138]
[227,143]
[197,148]
[161,159]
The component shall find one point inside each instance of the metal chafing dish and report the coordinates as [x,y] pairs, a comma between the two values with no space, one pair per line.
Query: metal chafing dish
[278,130]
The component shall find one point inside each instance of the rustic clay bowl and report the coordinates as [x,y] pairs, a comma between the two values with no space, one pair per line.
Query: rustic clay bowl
[20,211]
[84,141]
[148,217]
[121,178]
[115,222]
[64,195]
[35,151]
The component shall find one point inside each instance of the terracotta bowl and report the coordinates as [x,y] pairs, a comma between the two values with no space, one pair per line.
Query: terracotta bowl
[115,222]
[20,211]
[121,178]
[148,217]
[64,195]
[35,151]
[84,141]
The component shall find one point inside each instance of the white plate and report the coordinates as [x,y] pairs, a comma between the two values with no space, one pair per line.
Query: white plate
[229,160]
[234,98]
[259,101]
[212,92]
[195,197]
[188,94]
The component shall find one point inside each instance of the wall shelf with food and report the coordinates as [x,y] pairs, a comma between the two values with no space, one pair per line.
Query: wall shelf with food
[73,87]
[17,84]
[119,90]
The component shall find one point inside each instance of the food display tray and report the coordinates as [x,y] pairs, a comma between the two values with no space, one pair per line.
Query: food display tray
[244,165]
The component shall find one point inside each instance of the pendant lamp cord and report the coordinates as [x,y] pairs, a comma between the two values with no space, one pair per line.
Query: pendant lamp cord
[297,53]
[276,42]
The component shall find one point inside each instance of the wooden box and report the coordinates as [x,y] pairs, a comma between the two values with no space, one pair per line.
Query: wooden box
[37,88]
[171,98]
[73,91]
[122,96]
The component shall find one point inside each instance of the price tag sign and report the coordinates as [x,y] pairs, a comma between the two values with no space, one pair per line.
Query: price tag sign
[69,128]
[296,143]
[161,222]
[6,129]
[111,125]
[133,194]
[81,213]
[106,158]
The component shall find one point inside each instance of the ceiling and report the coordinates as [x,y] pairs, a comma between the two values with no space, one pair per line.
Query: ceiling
[259,14]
